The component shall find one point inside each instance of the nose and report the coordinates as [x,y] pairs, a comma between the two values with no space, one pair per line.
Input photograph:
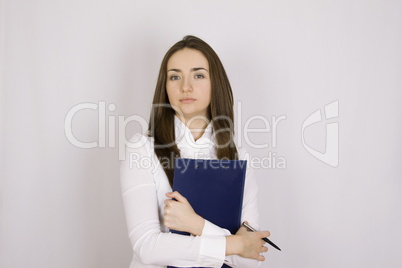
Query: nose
[186,85]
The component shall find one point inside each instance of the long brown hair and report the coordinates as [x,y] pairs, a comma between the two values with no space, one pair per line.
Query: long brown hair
[161,123]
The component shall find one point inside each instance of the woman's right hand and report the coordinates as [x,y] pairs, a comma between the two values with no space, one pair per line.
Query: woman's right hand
[247,244]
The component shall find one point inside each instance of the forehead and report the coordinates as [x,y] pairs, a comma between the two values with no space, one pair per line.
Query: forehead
[187,58]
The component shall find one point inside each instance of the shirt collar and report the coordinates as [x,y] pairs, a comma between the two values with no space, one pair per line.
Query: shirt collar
[184,136]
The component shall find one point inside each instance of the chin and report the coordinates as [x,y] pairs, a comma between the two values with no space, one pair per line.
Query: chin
[188,111]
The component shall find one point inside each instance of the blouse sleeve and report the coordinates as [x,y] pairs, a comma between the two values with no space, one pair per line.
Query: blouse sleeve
[150,245]
[249,213]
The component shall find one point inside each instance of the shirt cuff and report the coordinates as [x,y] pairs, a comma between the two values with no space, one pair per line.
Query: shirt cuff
[212,229]
[212,251]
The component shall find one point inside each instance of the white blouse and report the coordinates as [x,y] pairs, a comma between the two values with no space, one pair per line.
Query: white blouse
[144,185]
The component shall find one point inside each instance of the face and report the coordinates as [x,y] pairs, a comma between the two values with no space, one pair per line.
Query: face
[188,83]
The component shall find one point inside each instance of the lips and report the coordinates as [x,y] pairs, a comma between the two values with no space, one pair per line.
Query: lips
[187,100]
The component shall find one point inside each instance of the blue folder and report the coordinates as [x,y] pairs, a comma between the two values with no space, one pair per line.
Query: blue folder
[214,188]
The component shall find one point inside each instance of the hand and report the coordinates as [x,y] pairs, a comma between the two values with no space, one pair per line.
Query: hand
[180,216]
[247,244]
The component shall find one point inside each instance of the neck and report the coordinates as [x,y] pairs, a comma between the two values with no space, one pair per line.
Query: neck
[197,125]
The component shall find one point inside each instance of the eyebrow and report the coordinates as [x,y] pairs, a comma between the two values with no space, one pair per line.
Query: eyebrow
[193,69]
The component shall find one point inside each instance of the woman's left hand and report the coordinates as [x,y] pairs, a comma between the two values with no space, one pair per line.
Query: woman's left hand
[180,216]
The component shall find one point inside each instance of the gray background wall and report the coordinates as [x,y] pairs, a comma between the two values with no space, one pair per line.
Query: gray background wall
[61,205]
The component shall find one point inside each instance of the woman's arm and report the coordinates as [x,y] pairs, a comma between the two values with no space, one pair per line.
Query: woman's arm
[248,245]
[150,245]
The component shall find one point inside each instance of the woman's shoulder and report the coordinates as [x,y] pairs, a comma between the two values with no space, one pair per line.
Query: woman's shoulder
[140,143]
[139,139]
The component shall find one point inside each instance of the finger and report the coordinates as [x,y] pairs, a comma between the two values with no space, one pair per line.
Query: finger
[177,196]
[248,230]
[264,249]
[166,222]
[264,234]
[242,226]
[169,202]
[261,258]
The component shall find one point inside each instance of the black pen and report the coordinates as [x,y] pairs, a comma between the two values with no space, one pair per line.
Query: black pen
[265,239]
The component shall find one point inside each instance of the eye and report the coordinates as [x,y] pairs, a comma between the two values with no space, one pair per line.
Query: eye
[174,77]
[198,76]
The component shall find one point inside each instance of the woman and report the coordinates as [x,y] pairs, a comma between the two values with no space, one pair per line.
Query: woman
[192,117]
